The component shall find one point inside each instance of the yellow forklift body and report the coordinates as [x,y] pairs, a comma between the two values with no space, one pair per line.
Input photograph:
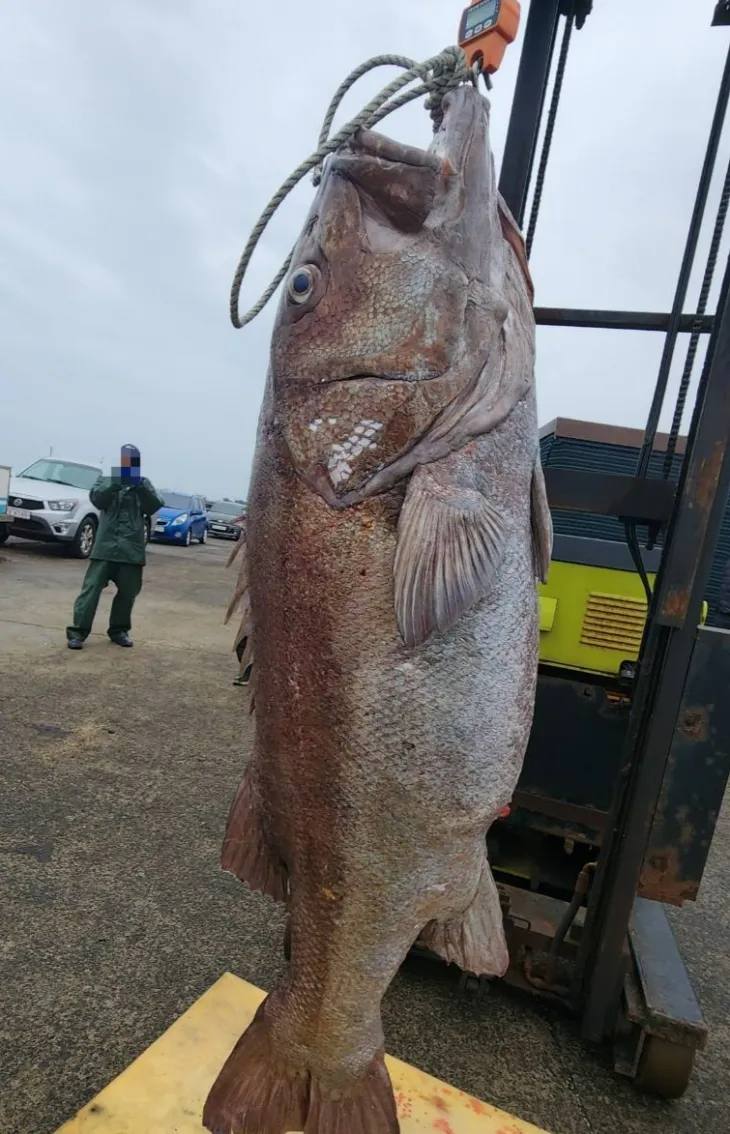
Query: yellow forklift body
[592,618]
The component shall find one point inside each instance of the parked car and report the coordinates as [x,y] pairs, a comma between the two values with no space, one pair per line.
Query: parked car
[5,474]
[181,520]
[221,515]
[49,501]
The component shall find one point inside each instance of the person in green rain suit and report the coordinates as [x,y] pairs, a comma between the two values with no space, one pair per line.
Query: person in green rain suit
[118,554]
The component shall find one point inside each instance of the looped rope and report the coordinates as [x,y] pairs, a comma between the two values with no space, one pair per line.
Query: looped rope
[439,75]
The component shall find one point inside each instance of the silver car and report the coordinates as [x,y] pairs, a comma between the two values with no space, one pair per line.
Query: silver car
[49,501]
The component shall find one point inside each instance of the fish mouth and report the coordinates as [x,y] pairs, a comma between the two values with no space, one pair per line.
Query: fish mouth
[402,184]
[369,143]
[395,183]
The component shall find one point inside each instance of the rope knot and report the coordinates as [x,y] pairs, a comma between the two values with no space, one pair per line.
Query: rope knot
[449,70]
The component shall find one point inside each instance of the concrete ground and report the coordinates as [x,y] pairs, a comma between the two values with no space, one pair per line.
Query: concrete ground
[116,771]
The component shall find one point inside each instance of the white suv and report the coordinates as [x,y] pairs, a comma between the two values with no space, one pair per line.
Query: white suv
[49,501]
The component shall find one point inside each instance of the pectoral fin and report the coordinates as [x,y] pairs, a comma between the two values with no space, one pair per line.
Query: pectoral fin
[542,524]
[450,545]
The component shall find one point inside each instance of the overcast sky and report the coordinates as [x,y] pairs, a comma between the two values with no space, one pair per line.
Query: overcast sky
[140,139]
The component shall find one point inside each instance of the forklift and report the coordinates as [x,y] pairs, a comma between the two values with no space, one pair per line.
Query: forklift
[629,753]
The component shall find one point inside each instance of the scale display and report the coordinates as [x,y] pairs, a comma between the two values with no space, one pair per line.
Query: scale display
[480,17]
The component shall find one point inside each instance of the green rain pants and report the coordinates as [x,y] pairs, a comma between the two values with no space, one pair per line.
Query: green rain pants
[128,579]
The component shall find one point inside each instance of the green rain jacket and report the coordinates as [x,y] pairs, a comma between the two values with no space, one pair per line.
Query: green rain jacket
[123,506]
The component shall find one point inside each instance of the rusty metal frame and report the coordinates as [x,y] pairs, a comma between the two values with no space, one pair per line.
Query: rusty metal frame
[667,652]
[611,494]
[695,780]
[694,514]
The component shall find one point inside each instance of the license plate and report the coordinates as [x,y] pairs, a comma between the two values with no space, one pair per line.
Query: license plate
[219,527]
[160,527]
[19,513]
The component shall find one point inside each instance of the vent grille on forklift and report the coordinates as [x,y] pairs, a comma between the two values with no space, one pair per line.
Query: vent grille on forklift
[614,622]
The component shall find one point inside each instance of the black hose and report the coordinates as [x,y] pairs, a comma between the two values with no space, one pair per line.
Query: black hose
[633,544]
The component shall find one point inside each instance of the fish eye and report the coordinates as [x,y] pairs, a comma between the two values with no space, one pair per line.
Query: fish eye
[301,284]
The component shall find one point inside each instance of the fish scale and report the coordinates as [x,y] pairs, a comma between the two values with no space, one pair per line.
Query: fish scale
[393,615]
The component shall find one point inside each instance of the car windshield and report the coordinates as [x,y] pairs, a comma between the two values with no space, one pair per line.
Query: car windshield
[177,500]
[226,508]
[62,472]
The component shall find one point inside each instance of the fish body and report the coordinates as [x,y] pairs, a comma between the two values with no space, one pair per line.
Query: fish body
[396,524]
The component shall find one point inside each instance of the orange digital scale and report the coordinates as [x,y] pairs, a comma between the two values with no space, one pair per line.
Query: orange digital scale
[487,27]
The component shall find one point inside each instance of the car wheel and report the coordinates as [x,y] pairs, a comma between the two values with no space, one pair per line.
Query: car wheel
[188,538]
[204,536]
[83,541]
[4,534]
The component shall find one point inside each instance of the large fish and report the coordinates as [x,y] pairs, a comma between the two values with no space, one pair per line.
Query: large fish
[397,521]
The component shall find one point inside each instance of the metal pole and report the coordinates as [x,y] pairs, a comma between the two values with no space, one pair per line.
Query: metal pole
[524,123]
[690,251]
[621,320]
[665,660]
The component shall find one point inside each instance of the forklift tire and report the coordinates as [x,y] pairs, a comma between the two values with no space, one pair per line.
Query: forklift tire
[287,940]
[665,1068]
[4,533]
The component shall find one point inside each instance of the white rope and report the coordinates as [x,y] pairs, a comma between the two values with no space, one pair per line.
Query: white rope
[444,72]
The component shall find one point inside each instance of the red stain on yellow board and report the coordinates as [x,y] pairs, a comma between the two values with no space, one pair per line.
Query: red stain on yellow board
[438,1103]
[404,1105]
[476,1106]
[444,1126]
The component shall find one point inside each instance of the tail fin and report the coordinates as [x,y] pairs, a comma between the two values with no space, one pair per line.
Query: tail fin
[246,852]
[369,1110]
[256,1093]
[252,1094]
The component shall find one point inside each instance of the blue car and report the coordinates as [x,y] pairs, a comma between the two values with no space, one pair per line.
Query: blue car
[181,520]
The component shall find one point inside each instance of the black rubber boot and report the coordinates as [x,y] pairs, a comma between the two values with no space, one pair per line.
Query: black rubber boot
[121,639]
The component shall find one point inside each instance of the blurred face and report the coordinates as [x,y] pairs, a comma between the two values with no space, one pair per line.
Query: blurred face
[129,467]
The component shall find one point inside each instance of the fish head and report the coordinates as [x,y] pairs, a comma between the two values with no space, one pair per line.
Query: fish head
[394,301]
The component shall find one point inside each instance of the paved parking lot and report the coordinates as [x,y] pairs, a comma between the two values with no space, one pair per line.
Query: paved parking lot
[116,771]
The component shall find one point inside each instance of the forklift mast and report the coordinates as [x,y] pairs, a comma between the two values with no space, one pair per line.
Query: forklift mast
[677,656]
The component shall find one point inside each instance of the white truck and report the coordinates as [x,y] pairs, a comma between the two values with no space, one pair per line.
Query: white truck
[49,502]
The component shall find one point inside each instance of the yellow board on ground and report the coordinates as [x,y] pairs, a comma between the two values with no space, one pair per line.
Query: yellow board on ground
[163,1091]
